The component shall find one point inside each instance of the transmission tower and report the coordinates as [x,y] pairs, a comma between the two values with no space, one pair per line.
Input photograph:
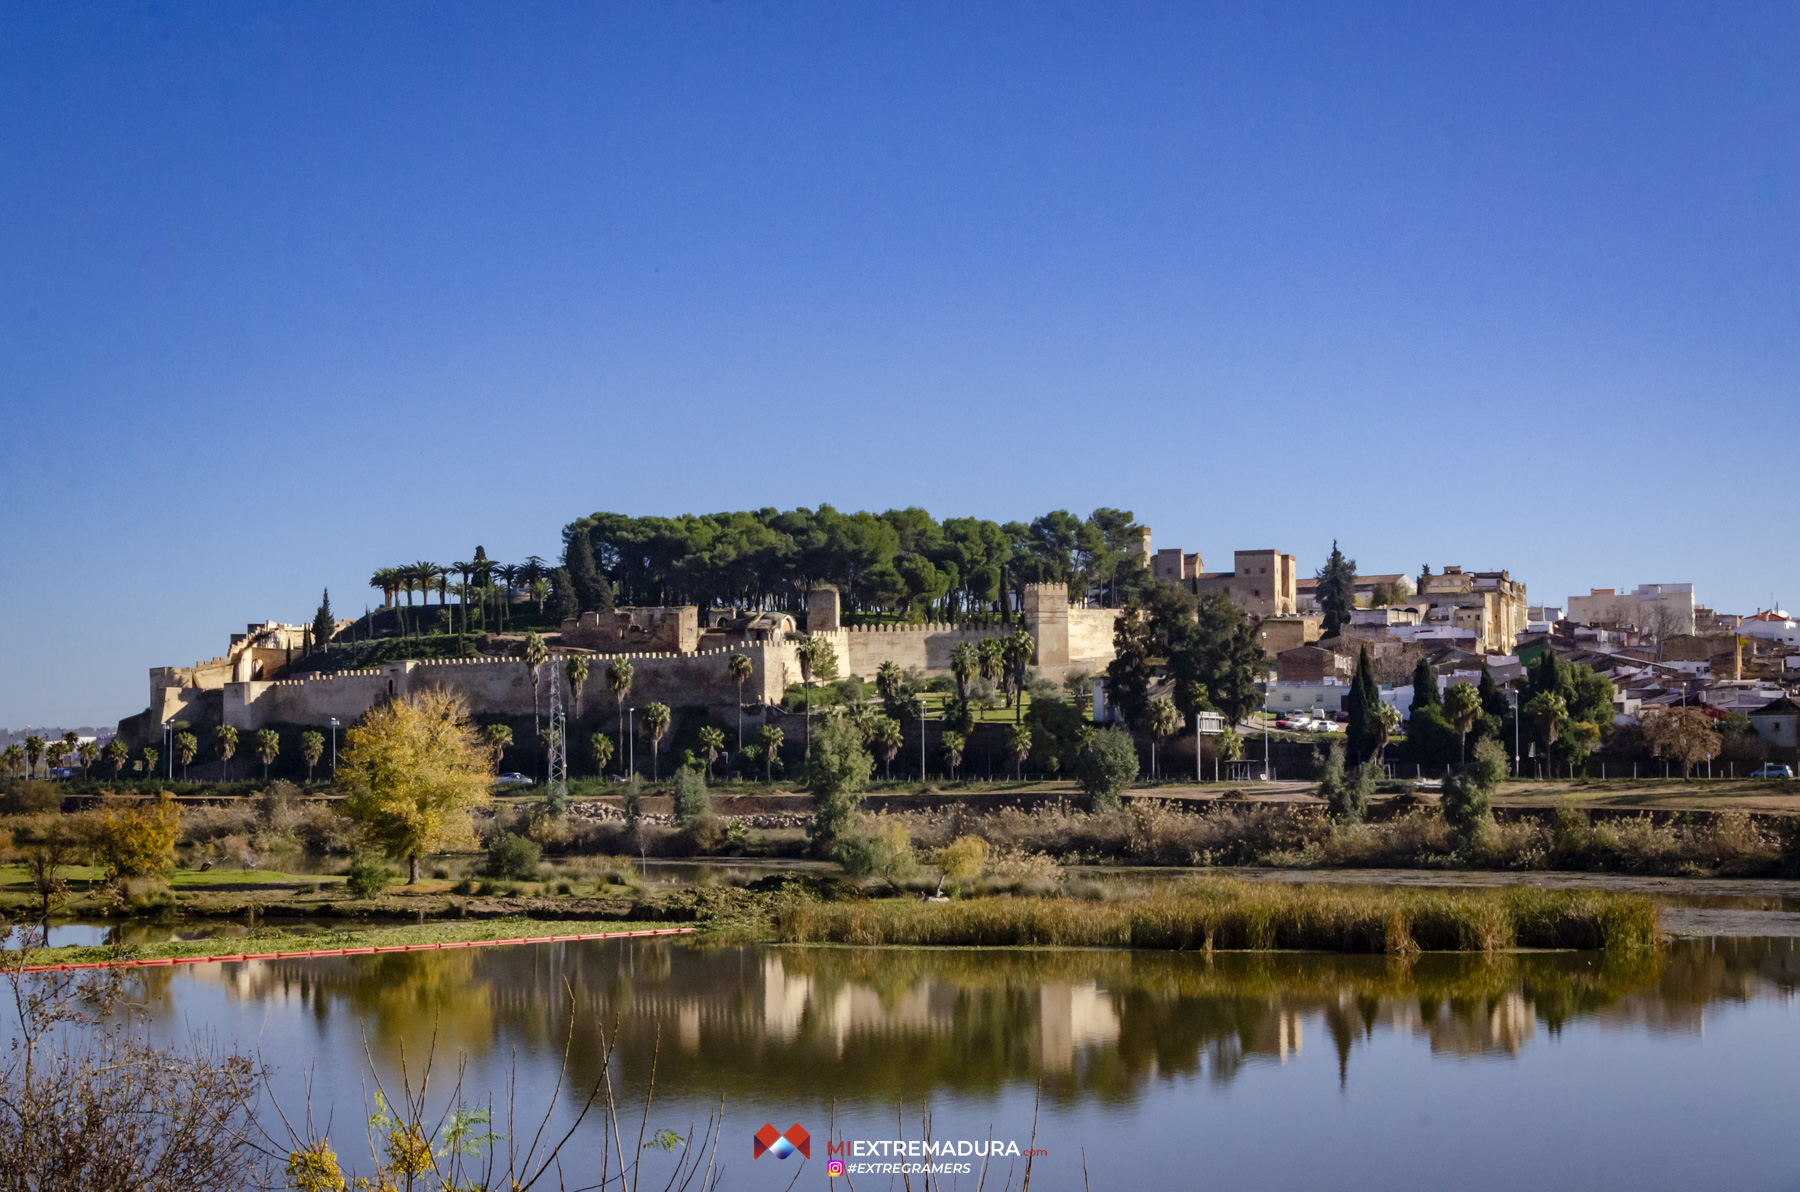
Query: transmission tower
[558,735]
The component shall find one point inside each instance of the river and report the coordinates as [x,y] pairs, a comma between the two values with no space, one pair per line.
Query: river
[1550,1070]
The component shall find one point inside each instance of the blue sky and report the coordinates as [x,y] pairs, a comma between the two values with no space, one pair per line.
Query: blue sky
[288,292]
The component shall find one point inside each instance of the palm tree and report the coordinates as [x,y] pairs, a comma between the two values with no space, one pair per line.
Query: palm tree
[150,756]
[34,753]
[71,743]
[14,758]
[656,723]
[1462,704]
[618,677]
[187,748]
[1019,741]
[535,654]
[540,592]
[965,663]
[55,754]
[508,575]
[117,753]
[954,743]
[990,657]
[1019,648]
[885,735]
[497,737]
[889,679]
[312,748]
[600,746]
[578,677]
[813,653]
[225,739]
[771,741]
[712,740]
[268,748]
[740,668]
[1165,719]
[388,580]
[90,753]
[1387,719]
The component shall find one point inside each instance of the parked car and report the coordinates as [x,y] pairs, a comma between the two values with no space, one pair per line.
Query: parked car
[513,778]
[1773,770]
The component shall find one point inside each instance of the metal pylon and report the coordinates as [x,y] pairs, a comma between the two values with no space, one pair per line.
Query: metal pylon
[558,735]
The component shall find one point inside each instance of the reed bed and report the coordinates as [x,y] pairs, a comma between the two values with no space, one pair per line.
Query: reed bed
[1226,914]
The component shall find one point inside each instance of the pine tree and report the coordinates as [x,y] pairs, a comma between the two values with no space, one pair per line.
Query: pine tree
[1337,590]
[563,604]
[324,626]
[591,590]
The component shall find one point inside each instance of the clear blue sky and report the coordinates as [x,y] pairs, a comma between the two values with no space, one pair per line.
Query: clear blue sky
[288,292]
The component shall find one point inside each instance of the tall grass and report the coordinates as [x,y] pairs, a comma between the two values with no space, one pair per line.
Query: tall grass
[1219,913]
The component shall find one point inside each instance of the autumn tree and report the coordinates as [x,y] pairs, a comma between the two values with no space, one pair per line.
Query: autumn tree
[413,769]
[1684,735]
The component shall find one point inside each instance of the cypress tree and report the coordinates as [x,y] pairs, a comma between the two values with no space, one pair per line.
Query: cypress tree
[1425,689]
[591,590]
[1365,694]
[324,625]
[1493,700]
[1337,590]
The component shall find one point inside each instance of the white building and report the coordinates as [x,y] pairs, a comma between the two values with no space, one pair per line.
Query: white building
[1664,609]
[1773,625]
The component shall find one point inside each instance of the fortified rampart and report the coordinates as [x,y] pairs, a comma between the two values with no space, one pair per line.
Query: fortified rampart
[230,690]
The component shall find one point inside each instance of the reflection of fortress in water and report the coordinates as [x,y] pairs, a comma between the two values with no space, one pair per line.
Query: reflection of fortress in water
[821,1022]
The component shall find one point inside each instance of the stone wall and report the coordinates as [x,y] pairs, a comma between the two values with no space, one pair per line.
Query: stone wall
[1091,636]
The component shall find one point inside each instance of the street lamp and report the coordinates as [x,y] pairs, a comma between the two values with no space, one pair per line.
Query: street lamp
[334,729]
[168,750]
[921,739]
[1512,701]
[631,738]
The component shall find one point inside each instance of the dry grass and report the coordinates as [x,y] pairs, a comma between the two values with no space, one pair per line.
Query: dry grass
[1218,913]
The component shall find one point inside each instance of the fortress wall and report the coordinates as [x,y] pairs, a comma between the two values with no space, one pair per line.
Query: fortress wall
[502,686]
[862,649]
[1091,636]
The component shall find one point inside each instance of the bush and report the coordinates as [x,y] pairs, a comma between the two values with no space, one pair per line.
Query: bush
[835,774]
[692,801]
[30,797]
[510,855]
[1108,767]
[367,876]
[1468,796]
[138,840]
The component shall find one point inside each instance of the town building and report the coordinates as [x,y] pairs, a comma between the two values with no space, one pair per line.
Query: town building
[1659,609]
[1490,603]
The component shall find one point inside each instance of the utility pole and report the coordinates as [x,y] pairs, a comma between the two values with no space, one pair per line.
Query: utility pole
[631,737]
[558,783]
[334,729]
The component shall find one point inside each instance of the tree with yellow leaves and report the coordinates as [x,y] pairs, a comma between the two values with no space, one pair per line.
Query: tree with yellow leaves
[413,768]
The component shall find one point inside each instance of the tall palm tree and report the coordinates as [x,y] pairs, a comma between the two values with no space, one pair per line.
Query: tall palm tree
[508,574]
[90,753]
[578,677]
[540,592]
[889,680]
[268,748]
[387,579]
[771,741]
[225,738]
[601,747]
[465,570]
[884,734]
[1462,704]
[990,657]
[964,664]
[740,668]
[954,744]
[1019,741]
[656,723]
[117,754]
[1165,720]
[312,748]
[34,753]
[619,674]
[187,748]
[497,737]
[14,759]
[1019,647]
[535,654]
[815,655]
[54,755]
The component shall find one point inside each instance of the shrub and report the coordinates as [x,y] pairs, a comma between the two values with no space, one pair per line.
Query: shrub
[963,859]
[367,876]
[138,840]
[466,886]
[1468,796]
[510,855]
[835,774]
[693,803]
[1108,767]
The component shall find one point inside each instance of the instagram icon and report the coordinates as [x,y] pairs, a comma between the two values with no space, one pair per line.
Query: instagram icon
[835,1168]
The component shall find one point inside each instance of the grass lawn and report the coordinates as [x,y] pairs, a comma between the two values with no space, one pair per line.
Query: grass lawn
[277,940]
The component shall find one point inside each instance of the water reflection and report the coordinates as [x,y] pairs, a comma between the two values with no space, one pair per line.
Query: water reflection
[875,1026]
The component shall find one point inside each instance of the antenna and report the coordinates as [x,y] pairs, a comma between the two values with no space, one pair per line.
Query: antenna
[557,734]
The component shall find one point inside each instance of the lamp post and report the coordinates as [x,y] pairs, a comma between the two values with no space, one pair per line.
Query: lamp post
[921,739]
[631,738]
[334,729]
[168,750]
[1512,701]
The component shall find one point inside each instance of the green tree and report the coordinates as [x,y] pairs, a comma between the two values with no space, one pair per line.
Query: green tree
[312,748]
[117,754]
[1685,735]
[656,723]
[1545,714]
[1018,742]
[1580,738]
[1164,721]
[535,653]
[990,659]
[884,736]
[818,660]
[1336,593]
[954,743]
[712,740]
[964,665]
[771,743]
[413,769]
[225,740]
[1424,685]
[540,592]
[268,748]
[1361,703]
[324,625]
[836,772]
[497,738]
[1019,648]
[187,748]
[1128,675]
[1468,795]
[150,757]
[1462,704]
[741,669]
[600,748]
[693,802]
[56,754]
[34,753]
[89,752]
[1385,724]
[619,676]
[578,670]
[1107,767]
[558,597]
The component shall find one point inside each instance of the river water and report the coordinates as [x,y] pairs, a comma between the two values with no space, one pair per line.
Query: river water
[1545,1071]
